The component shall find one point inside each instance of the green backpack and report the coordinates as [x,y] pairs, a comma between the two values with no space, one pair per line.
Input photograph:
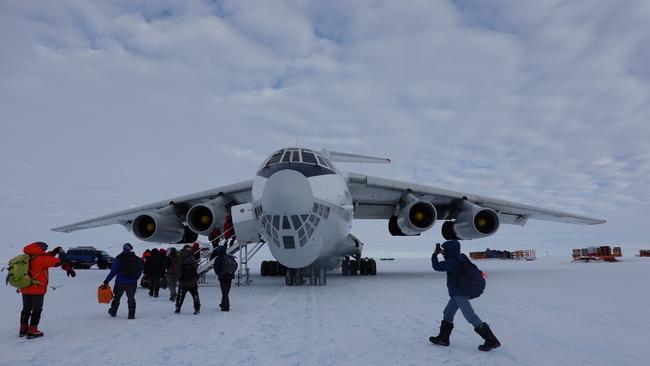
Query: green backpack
[18,274]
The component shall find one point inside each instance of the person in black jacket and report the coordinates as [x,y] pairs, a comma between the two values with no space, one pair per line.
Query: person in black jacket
[225,267]
[458,297]
[154,268]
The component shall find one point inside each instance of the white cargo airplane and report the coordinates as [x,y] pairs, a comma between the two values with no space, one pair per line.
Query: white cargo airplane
[303,206]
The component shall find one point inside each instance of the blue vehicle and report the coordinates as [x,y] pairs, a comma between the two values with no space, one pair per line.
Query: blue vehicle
[86,257]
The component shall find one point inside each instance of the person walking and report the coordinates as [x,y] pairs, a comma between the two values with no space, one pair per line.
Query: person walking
[462,286]
[126,270]
[188,280]
[225,266]
[172,272]
[34,294]
[154,269]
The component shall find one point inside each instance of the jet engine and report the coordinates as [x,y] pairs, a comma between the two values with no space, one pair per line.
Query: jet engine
[415,217]
[473,222]
[205,217]
[162,229]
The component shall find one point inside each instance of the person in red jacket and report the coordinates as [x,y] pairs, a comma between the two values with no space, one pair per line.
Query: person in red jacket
[34,294]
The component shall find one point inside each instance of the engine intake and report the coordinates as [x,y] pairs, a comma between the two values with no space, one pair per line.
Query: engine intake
[473,222]
[414,218]
[161,229]
[205,217]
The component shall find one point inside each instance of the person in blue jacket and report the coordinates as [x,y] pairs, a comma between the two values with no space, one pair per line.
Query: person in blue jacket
[126,270]
[225,267]
[458,297]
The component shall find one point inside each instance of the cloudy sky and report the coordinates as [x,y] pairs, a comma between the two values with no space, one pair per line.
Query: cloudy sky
[107,105]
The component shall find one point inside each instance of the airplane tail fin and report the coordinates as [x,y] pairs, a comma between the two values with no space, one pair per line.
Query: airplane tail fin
[341,157]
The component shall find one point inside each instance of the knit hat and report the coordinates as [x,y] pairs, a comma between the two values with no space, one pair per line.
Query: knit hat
[127,247]
[42,245]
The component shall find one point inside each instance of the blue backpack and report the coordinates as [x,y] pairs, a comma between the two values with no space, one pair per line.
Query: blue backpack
[474,280]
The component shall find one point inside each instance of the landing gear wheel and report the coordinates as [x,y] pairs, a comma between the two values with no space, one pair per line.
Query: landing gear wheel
[354,267]
[345,267]
[363,267]
[372,270]
[263,270]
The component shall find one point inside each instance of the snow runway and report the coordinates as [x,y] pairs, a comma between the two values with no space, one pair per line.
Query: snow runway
[549,311]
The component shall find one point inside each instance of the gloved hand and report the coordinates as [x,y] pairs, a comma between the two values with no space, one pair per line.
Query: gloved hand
[438,249]
[54,252]
[67,267]
[104,285]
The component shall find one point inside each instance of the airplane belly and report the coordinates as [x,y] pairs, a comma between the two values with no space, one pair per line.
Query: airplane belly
[302,219]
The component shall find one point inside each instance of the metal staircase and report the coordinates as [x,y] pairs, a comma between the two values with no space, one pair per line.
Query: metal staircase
[239,250]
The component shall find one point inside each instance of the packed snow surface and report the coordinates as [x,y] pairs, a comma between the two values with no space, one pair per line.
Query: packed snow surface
[545,312]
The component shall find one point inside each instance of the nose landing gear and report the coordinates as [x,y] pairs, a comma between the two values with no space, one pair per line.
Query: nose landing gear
[358,266]
[313,275]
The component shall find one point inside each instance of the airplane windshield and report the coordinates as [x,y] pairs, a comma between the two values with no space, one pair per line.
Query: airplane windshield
[296,155]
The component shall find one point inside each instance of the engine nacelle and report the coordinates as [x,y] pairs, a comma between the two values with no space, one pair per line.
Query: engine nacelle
[473,222]
[415,217]
[205,217]
[161,229]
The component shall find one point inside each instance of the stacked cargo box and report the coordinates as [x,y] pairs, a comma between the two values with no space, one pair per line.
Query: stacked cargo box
[603,253]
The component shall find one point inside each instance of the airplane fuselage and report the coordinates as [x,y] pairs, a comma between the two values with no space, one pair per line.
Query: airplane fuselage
[304,210]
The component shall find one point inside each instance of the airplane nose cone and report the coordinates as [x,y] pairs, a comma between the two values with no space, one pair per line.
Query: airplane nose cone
[287,192]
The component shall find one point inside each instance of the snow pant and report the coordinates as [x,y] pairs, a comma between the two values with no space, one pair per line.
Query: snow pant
[172,280]
[225,291]
[194,291]
[154,285]
[462,303]
[32,309]
[120,289]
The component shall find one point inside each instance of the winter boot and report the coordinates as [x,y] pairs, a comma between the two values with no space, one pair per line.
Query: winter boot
[491,341]
[33,332]
[197,309]
[23,330]
[112,312]
[131,314]
[442,339]
[178,311]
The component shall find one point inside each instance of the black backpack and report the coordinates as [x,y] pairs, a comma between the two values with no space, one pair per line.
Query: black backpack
[474,280]
[188,272]
[129,266]
[228,265]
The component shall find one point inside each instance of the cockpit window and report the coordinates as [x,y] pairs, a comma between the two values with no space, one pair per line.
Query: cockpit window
[308,157]
[275,158]
[287,156]
[296,157]
[321,161]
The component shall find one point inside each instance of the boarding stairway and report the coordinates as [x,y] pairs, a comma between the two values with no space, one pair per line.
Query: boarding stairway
[236,248]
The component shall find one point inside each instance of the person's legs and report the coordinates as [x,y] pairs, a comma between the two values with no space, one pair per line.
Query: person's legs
[195,296]
[37,309]
[468,312]
[225,291]
[171,283]
[446,325]
[27,309]
[117,295]
[130,296]
[182,291]
[154,283]
[450,310]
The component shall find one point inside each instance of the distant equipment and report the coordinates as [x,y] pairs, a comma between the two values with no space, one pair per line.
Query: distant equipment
[644,253]
[522,254]
[603,253]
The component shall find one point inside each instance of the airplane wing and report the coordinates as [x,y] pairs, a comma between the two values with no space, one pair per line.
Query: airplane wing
[238,192]
[376,198]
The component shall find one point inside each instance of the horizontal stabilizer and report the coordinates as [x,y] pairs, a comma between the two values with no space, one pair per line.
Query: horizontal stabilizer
[341,157]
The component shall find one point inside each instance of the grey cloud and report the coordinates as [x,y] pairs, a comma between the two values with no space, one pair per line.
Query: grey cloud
[105,106]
